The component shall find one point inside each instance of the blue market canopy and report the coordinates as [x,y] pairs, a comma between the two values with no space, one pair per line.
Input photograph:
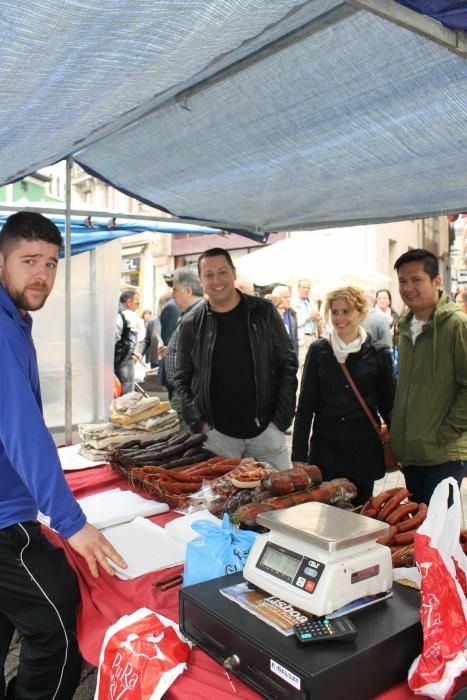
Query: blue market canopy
[85,236]
[258,115]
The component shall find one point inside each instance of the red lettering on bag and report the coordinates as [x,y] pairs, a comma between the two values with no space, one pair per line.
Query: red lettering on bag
[136,657]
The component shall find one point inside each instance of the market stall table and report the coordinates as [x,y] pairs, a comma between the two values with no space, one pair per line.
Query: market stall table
[107,598]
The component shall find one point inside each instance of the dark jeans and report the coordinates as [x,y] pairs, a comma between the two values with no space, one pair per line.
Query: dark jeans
[176,403]
[422,481]
[39,596]
[126,374]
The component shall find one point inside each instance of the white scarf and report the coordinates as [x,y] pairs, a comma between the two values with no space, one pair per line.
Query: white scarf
[341,349]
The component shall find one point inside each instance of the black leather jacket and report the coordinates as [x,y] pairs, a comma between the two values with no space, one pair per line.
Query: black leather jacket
[275,364]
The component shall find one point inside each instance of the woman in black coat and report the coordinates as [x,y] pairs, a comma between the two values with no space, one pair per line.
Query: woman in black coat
[343,443]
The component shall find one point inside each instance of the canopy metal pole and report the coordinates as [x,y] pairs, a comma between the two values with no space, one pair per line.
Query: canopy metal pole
[94,340]
[68,365]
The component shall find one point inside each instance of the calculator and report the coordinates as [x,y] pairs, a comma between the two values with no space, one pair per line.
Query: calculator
[341,629]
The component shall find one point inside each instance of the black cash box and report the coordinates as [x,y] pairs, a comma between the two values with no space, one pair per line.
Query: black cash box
[388,640]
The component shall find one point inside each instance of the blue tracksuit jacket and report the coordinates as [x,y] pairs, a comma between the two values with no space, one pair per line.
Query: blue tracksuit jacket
[31,477]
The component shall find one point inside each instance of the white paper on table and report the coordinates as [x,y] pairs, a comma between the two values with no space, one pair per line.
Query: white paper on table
[181,527]
[409,573]
[70,458]
[145,547]
[115,506]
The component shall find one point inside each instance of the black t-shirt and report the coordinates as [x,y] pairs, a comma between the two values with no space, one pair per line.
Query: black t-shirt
[233,387]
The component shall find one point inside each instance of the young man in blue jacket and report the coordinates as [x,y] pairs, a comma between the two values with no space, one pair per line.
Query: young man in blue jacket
[39,593]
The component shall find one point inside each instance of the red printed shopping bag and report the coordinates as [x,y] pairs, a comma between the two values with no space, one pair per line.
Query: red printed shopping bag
[443,568]
[142,655]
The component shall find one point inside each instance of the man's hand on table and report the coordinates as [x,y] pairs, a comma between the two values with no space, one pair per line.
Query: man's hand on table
[95,549]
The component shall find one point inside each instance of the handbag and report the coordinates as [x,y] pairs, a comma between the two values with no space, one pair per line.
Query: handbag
[391,463]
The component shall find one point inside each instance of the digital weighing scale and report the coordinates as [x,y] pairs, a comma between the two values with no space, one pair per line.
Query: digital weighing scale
[318,557]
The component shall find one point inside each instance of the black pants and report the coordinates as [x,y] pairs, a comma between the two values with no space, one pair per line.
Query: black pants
[39,596]
[422,481]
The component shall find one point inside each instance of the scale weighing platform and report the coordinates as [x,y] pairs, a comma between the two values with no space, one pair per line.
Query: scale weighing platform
[319,558]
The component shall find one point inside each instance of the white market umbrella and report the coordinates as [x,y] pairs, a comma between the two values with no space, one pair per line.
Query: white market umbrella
[295,258]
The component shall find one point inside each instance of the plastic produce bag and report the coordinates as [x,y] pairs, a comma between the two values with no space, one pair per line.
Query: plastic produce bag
[217,552]
[443,569]
[142,654]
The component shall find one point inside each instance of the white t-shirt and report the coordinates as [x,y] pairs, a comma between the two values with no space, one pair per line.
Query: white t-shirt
[132,320]
[415,328]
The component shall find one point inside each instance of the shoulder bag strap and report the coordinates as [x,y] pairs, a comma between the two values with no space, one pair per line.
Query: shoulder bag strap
[360,398]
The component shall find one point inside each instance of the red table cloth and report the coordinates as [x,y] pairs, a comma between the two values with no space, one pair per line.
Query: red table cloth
[106,599]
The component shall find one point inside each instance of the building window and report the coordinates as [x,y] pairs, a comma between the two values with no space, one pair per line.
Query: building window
[431,231]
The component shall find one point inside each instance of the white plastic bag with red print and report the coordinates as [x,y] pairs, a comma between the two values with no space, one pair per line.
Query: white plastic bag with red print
[443,612]
[142,654]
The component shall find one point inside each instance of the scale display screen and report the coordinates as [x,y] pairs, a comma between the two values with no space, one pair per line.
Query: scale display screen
[279,562]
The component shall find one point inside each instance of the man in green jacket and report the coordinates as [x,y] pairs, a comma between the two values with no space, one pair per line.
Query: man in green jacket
[429,422]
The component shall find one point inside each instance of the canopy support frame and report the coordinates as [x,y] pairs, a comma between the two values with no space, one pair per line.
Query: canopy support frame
[455,41]
[212,75]
[68,354]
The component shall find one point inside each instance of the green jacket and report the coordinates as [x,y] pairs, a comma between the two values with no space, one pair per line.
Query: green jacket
[429,420]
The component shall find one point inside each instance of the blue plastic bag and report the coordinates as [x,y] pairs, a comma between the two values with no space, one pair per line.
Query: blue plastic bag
[217,552]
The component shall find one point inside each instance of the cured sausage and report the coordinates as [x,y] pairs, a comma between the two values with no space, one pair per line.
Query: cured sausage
[130,443]
[246,515]
[401,512]
[177,486]
[387,539]
[370,513]
[280,483]
[381,498]
[178,439]
[404,537]
[369,505]
[415,521]
[328,492]
[314,473]
[392,503]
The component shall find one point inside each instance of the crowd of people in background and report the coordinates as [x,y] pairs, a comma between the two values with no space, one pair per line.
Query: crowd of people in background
[235,366]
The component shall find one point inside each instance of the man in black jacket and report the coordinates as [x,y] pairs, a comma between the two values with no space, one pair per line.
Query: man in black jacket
[236,368]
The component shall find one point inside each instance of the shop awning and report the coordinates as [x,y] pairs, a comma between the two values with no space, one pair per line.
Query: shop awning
[259,115]
[85,236]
